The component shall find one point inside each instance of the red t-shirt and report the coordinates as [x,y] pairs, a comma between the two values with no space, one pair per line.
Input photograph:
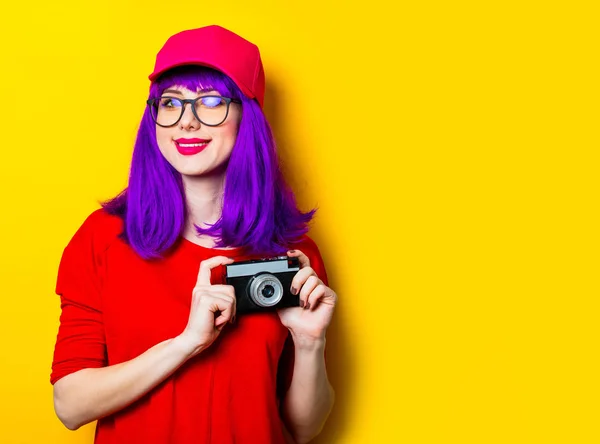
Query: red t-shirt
[115,306]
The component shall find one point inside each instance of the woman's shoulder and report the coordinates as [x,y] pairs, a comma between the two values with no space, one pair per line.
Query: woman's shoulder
[308,246]
[99,229]
[306,242]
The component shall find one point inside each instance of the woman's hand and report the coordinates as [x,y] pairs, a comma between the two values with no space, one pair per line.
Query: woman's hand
[212,307]
[308,322]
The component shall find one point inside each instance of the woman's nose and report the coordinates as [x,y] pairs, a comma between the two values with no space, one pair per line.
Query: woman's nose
[188,119]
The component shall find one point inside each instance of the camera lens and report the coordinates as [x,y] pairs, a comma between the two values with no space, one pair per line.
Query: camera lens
[268,291]
[265,290]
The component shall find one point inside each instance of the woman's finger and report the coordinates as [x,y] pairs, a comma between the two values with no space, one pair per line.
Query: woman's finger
[310,284]
[208,292]
[224,307]
[300,278]
[302,258]
[226,290]
[229,292]
[319,295]
[207,265]
[218,300]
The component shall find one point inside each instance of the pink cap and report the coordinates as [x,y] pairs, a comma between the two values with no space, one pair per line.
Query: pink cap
[217,48]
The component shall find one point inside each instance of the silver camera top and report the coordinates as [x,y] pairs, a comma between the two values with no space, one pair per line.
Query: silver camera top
[277,264]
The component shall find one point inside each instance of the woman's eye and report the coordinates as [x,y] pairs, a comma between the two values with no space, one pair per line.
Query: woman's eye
[211,102]
[170,103]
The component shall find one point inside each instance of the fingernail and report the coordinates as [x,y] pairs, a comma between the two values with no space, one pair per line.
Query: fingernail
[301,303]
[292,251]
[293,290]
[307,306]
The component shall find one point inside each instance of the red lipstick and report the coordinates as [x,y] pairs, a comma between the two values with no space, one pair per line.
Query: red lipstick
[189,147]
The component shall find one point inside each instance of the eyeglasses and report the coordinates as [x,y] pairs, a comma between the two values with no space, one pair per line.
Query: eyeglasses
[209,110]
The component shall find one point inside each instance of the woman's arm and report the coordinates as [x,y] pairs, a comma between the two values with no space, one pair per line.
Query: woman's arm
[92,393]
[310,398]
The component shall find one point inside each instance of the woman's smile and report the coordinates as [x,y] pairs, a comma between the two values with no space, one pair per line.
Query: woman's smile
[189,147]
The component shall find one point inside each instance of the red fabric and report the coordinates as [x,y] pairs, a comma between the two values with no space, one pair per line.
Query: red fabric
[116,306]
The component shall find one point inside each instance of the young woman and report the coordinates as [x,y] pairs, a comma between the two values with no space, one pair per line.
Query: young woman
[149,343]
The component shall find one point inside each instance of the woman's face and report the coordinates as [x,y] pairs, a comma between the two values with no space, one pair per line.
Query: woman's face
[177,142]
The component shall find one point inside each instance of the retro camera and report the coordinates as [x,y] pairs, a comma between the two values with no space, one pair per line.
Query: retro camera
[263,284]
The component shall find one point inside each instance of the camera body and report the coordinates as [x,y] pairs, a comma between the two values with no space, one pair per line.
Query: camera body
[263,284]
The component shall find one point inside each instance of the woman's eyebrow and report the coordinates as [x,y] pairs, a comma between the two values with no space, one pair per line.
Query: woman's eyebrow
[174,91]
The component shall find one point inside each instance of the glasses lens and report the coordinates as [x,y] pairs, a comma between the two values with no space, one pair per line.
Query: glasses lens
[166,110]
[211,110]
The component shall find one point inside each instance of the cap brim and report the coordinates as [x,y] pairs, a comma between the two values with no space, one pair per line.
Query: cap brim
[152,77]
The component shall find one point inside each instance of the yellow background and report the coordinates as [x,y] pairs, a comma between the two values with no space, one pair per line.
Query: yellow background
[452,148]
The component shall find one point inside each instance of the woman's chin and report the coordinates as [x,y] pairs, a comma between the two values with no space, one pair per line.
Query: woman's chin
[202,172]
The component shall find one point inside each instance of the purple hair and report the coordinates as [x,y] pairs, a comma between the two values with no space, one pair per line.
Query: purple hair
[259,208]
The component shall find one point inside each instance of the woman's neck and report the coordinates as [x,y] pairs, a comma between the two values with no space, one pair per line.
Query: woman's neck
[204,200]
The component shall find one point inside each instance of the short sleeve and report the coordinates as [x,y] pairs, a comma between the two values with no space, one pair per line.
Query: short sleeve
[286,362]
[80,342]
[310,248]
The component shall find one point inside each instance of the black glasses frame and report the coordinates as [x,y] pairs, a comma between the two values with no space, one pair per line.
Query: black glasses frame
[154,102]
